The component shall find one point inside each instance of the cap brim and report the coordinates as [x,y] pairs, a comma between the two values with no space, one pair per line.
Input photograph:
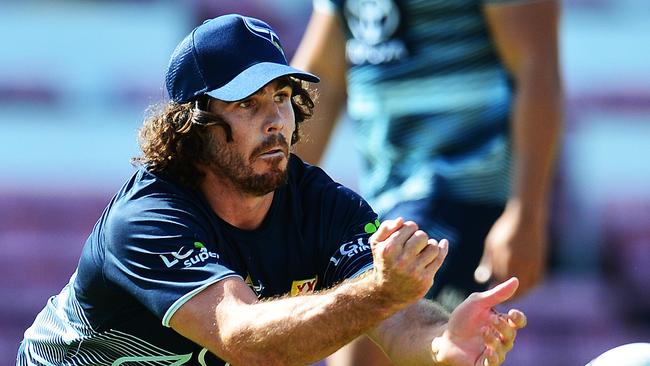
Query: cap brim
[254,78]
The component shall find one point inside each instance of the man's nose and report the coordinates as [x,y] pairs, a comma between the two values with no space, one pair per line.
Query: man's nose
[274,121]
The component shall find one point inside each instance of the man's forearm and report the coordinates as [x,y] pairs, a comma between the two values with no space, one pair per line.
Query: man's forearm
[536,122]
[301,330]
[322,51]
[406,336]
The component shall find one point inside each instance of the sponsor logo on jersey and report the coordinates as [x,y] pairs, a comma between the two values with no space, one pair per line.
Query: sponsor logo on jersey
[371,227]
[190,256]
[373,24]
[257,289]
[303,287]
[349,250]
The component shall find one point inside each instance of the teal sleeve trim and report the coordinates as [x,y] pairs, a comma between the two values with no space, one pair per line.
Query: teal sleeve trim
[180,302]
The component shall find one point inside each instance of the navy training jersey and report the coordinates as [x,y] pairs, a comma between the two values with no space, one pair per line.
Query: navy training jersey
[430,98]
[157,245]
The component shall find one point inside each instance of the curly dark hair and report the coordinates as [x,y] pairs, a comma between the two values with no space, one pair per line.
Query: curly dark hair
[174,137]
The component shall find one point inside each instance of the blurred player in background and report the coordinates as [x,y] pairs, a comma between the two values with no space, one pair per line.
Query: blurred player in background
[457,107]
[225,248]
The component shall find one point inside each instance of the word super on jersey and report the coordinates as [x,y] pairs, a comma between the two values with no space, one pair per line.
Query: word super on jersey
[157,245]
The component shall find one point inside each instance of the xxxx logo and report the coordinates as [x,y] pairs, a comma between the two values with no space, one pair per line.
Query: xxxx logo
[303,287]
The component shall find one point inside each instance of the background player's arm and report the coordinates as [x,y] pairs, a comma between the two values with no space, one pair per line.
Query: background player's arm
[525,35]
[322,51]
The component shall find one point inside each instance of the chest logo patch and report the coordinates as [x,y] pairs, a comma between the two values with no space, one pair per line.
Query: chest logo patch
[303,287]
[257,288]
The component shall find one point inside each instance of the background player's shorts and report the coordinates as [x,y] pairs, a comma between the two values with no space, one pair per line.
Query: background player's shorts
[465,226]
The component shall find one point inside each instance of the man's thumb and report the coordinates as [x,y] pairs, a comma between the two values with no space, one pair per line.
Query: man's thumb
[483,273]
[499,293]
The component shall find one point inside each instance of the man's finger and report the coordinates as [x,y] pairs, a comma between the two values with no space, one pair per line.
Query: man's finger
[443,247]
[393,246]
[428,253]
[505,330]
[517,319]
[402,234]
[483,273]
[416,243]
[488,358]
[499,293]
[385,230]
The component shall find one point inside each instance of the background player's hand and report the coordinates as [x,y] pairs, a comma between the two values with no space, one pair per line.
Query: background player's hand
[476,335]
[515,247]
[405,260]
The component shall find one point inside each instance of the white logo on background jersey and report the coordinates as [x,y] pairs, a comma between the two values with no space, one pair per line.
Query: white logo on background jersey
[373,23]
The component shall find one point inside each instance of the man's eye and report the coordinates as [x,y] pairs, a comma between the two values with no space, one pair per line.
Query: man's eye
[281,97]
[245,104]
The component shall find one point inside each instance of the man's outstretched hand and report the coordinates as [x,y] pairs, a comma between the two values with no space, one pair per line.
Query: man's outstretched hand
[476,335]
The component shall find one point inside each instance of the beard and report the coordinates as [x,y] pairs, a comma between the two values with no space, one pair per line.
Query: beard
[227,162]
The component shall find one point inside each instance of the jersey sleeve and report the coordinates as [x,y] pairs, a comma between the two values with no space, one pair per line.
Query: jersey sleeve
[325,6]
[352,223]
[162,254]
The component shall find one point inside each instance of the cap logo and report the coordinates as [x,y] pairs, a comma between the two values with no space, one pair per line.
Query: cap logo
[264,32]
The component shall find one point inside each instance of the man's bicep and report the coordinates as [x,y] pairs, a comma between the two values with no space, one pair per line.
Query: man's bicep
[524,32]
[175,260]
[204,317]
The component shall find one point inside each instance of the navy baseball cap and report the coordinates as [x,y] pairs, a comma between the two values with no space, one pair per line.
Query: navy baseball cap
[228,58]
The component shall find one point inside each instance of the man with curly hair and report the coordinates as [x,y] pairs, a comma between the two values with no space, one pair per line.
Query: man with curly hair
[224,248]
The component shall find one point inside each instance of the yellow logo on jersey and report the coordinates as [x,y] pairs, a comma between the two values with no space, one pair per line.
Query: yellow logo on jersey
[303,287]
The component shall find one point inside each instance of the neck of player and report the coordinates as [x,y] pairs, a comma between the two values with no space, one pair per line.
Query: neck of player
[239,209]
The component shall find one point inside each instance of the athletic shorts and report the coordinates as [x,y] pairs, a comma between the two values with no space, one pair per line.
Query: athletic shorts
[465,226]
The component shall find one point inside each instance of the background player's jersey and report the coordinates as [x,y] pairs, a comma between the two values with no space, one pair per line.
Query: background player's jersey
[157,245]
[430,99]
